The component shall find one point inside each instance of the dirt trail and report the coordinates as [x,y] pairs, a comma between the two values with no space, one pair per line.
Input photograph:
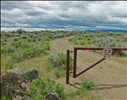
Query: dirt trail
[110,76]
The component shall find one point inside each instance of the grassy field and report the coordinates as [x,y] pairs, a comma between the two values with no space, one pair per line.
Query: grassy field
[22,46]
[35,50]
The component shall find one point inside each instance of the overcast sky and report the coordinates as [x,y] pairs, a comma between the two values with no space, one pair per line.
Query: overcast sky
[70,15]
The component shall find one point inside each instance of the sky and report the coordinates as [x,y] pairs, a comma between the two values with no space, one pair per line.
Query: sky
[65,15]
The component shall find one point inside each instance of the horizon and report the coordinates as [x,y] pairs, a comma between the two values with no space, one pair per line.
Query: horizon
[40,29]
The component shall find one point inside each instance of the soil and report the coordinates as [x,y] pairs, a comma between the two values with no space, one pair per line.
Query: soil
[109,76]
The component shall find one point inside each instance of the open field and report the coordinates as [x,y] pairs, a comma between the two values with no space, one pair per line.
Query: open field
[33,50]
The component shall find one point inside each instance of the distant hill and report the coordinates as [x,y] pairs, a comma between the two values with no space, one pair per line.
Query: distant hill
[93,30]
[107,30]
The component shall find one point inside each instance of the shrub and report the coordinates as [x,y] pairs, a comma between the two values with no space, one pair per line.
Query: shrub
[52,59]
[59,61]
[87,85]
[15,39]
[121,53]
[33,40]
[25,45]
[46,45]
[17,44]
[17,35]
[41,87]
[17,56]
[39,39]
[22,49]
[57,74]
[112,44]
[8,49]
[5,39]
[3,42]
[82,42]
[24,37]
[29,40]
[4,98]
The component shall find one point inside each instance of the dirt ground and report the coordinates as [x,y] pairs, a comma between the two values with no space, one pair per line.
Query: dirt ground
[109,76]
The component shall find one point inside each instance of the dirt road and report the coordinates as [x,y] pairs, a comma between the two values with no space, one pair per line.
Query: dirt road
[110,76]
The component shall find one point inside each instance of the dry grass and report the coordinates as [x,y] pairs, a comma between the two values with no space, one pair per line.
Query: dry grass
[122,60]
[40,63]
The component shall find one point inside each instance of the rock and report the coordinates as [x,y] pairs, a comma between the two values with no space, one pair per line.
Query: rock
[13,82]
[25,74]
[52,96]
[18,97]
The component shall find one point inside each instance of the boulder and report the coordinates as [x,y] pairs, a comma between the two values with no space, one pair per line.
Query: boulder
[14,81]
[24,74]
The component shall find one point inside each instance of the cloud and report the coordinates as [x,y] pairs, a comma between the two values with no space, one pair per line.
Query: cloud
[64,14]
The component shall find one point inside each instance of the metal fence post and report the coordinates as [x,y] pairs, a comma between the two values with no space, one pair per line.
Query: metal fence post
[67,66]
[75,62]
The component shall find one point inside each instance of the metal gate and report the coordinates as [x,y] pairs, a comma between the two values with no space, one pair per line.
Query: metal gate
[107,52]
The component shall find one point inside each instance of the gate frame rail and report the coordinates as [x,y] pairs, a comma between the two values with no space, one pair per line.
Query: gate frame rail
[91,66]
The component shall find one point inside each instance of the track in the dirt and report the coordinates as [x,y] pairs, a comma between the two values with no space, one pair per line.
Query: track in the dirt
[110,76]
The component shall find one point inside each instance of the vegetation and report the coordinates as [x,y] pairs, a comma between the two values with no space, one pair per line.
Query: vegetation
[41,87]
[87,85]
[31,49]
[59,61]
[102,40]
[20,45]
[84,92]
[57,74]
[4,98]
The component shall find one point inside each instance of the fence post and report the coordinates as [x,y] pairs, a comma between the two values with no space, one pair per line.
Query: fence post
[75,59]
[67,66]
